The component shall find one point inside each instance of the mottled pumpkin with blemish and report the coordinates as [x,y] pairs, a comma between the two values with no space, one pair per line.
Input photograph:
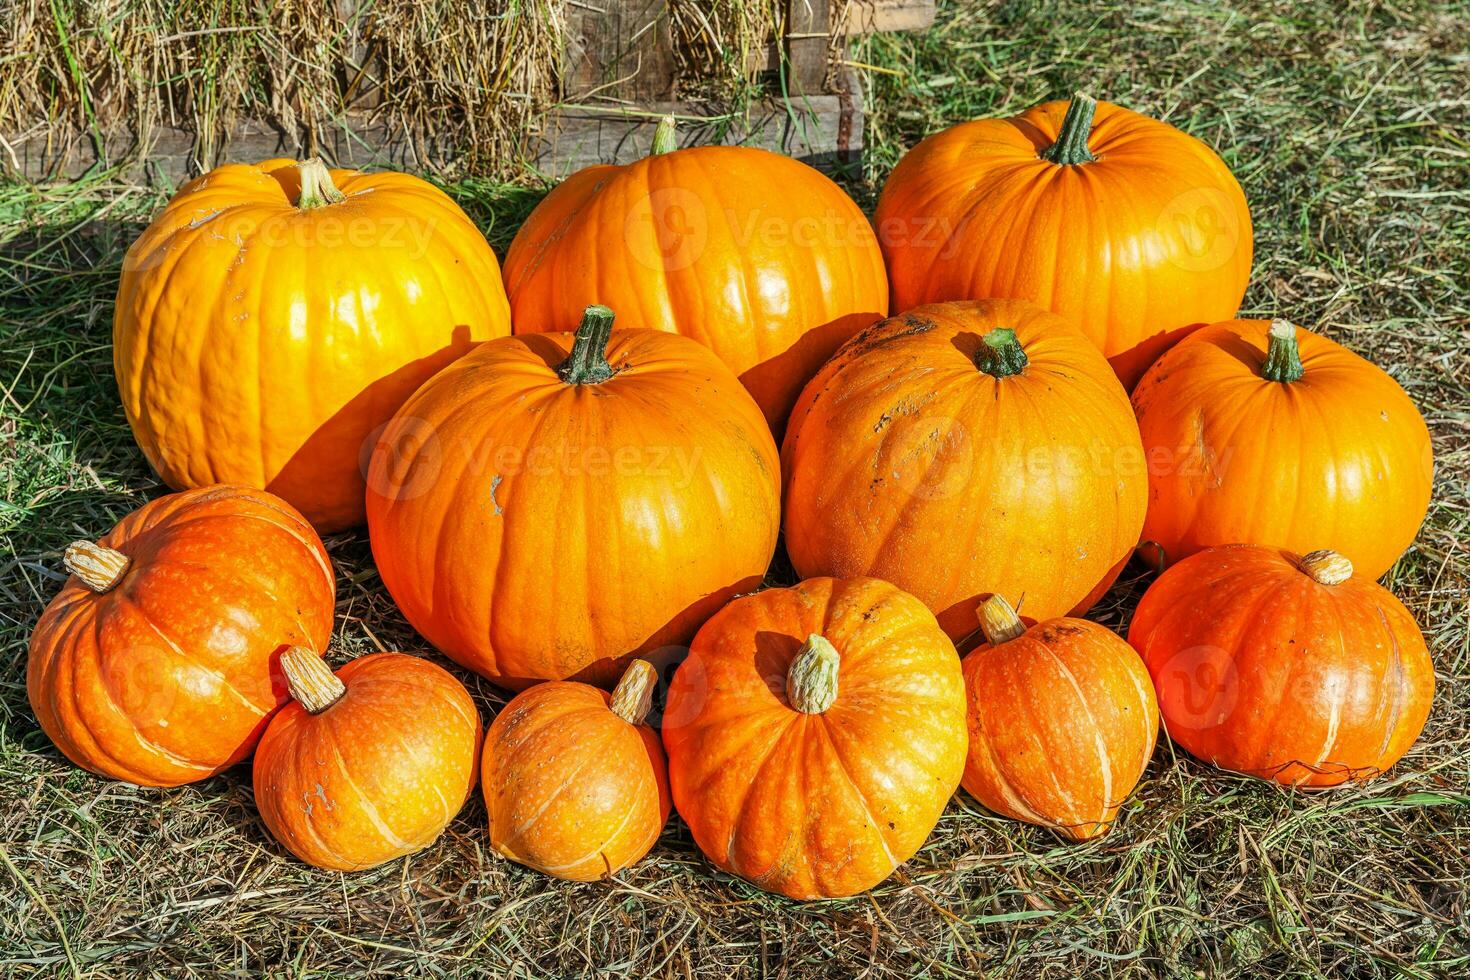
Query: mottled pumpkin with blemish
[373,770]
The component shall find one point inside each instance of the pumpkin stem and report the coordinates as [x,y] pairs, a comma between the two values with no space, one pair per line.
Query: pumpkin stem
[99,567]
[633,697]
[1283,359]
[317,189]
[1327,567]
[1001,356]
[587,363]
[1071,144]
[310,680]
[665,139]
[811,681]
[998,621]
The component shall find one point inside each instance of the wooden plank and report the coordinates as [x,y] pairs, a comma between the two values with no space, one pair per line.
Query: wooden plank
[808,41]
[888,16]
[619,50]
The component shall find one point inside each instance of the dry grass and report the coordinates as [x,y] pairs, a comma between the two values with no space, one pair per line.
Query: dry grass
[468,83]
[1347,126]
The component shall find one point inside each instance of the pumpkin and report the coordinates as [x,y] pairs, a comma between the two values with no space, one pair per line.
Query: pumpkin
[548,507]
[755,255]
[274,316]
[156,663]
[1262,433]
[367,764]
[815,735]
[1062,721]
[1284,667]
[1120,223]
[575,783]
[962,449]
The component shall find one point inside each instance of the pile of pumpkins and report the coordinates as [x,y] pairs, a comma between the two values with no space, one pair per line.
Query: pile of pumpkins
[578,512]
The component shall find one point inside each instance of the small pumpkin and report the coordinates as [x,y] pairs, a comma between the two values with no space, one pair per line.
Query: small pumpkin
[1062,721]
[1120,223]
[548,507]
[275,315]
[367,764]
[156,663]
[576,785]
[757,256]
[1288,668]
[1263,433]
[815,735]
[966,448]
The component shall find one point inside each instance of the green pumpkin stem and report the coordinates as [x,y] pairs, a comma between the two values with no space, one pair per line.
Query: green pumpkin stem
[587,363]
[1071,144]
[317,189]
[811,681]
[1283,359]
[665,139]
[1001,356]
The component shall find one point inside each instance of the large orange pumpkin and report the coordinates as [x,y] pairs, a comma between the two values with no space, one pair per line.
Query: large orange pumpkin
[962,449]
[575,783]
[544,515]
[1286,668]
[755,255]
[1261,433]
[815,735]
[275,315]
[367,764]
[1120,223]
[157,661]
[1062,720]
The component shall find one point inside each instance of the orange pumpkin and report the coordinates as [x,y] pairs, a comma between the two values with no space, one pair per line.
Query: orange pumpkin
[156,663]
[815,735]
[575,783]
[1262,433]
[545,515]
[367,764]
[965,448]
[1118,222]
[1286,668]
[1062,720]
[755,255]
[274,316]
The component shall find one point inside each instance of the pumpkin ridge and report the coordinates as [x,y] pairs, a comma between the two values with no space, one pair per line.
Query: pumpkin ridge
[327,736]
[519,831]
[776,747]
[858,793]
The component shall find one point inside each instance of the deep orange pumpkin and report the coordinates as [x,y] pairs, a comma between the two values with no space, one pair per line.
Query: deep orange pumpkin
[815,735]
[1062,720]
[1118,222]
[368,764]
[540,515]
[157,661]
[1286,668]
[263,332]
[575,783]
[1258,432]
[962,449]
[755,255]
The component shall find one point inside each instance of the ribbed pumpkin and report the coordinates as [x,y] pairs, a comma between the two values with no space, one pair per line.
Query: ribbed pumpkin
[965,448]
[274,315]
[575,783]
[367,764]
[1261,433]
[1284,667]
[755,255]
[1118,222]
[545,515]
[815,735]
[1062,720]
[157,661]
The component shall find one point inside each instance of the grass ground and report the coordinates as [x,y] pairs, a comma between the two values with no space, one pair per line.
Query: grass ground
[1347,126]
